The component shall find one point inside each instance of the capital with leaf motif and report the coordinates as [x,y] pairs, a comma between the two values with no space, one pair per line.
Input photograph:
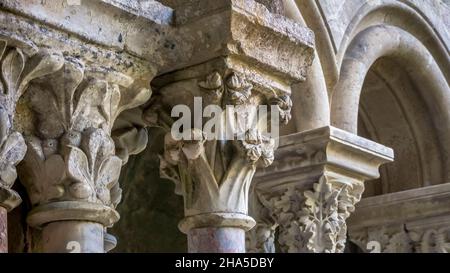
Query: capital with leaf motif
[20,63]
[313,187]
[213,173]
[71,169]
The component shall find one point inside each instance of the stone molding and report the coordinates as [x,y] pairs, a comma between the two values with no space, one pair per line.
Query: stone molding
[408,221]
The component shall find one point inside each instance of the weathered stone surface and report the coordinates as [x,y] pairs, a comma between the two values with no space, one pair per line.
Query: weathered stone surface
[72,137]
[235,27]
[313,187]
[379,69]
[17,72]
[274,6]
[214,175]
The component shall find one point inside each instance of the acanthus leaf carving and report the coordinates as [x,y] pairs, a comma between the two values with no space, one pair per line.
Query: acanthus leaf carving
[313,220]
[94,168]
[12,151]
[17,70]
[260,239]
[76,124]
[130,130]
[431,240]
[321,218]
[44,169]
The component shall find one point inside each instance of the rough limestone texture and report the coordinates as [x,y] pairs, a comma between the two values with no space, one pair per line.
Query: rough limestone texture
[275,6]
[377,69]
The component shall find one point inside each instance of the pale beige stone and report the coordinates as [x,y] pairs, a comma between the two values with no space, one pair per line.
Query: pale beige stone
[75,104]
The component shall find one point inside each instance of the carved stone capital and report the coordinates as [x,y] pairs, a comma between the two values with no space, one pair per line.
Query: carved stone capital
[406,238]
[214,173]
[20,63]
[313,220]
[314,185]
[227,79]
[71,168]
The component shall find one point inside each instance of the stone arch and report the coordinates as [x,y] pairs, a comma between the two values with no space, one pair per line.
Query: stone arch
[389,42]
[386,41]
[392,112]
[402,15]
[314,18]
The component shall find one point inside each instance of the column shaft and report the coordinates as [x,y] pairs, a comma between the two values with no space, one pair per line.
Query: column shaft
[216,240]
[72,237]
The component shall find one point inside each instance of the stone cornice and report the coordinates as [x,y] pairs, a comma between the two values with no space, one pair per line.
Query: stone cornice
[146,41]
[235,27]
[151,10]
[402,207]
[42,35]
[326,147]
[114,24]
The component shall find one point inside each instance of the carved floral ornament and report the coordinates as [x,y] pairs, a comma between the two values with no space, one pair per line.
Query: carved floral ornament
[398,239]
[186,162]
[313,220]
[239,92]
[19,65]
[234,90]
[218,170]
[381,239]
[261,239]
[71,156]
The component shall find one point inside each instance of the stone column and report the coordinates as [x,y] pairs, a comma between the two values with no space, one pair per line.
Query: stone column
[213,174]
[314,185]
[247,66]
[71,168]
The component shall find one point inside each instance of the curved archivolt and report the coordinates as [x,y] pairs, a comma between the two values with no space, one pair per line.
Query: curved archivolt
[386,78]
